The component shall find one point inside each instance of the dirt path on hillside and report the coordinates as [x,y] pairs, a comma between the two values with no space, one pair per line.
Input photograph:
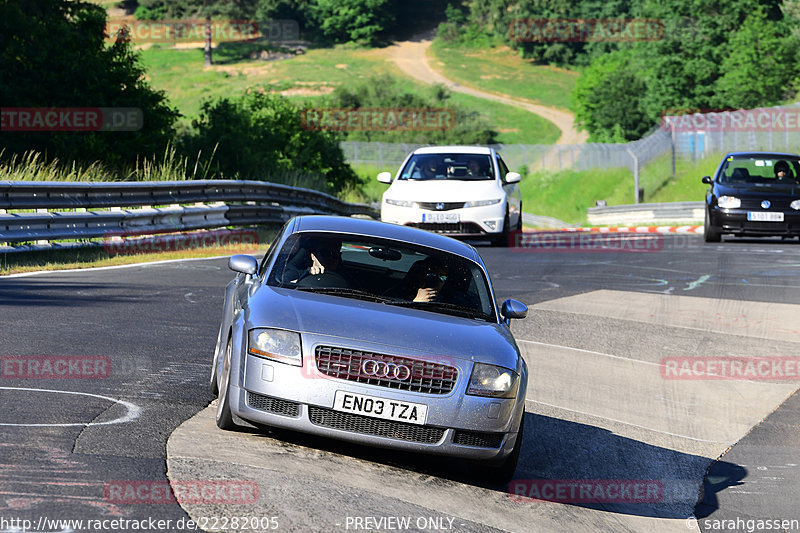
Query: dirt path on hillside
[411,57]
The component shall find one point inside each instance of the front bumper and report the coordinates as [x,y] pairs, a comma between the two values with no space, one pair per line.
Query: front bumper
[734,221]
[302,399]
[464,222]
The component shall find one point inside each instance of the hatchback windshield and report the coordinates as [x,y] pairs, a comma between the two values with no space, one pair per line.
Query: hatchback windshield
[385,271]
[448,166]
[760,170]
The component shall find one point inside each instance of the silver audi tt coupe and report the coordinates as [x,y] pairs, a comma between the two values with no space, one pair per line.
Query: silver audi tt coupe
[373,333]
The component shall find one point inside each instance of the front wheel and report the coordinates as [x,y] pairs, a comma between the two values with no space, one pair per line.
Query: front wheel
[502,239]
[710,234]
[503,473]
[224,415]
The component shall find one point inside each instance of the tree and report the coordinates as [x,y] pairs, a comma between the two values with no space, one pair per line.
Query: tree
[609,99]
[53,54]
[363,21]
[758,71]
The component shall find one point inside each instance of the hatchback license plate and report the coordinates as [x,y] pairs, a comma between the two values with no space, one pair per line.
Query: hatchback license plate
[441,217]
[361,404]
[765,216]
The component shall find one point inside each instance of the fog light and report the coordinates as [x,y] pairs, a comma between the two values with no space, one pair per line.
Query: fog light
[491,224]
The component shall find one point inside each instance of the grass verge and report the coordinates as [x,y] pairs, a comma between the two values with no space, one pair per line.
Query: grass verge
[567,194]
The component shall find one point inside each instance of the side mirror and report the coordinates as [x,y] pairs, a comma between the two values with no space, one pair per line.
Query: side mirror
[513,309]
[385,177]
[513,177]
[707,180]
[246,264]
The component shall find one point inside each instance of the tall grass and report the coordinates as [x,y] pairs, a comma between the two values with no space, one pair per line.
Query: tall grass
[34,166]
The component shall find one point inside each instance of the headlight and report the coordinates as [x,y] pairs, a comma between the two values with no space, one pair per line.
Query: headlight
[401,203]
[795,205]
[276,344]
[729,202]
[481,203]
[493,381]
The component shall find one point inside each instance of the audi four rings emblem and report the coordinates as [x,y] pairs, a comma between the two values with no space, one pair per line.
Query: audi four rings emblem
[381,369]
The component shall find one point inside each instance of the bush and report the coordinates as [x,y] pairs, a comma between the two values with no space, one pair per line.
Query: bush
[260,136]
[384,92]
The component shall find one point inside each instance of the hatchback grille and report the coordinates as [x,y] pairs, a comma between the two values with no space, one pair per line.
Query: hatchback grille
[273,405]
[354,365]
[461,228]
[329,418]
[440,206]
[480,440]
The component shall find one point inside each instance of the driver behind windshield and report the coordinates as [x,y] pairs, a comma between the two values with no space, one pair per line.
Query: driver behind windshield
[783,171]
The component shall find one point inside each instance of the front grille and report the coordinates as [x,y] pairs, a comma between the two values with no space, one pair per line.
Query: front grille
[480,440]
[273,405]
[446,206]
[461,228]
[424,376]
[329,418]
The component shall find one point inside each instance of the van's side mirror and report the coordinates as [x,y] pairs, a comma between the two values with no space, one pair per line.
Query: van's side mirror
[385,177]
[513,177]
[707,180]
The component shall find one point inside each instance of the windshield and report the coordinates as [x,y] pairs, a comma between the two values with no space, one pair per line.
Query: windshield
[760,170]
[448,167]
[386,271]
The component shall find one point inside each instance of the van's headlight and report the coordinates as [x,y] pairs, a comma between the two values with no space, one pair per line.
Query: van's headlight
[276,344]
[401,203]
[493,381]
[481,203]
[729,202]
[795,205]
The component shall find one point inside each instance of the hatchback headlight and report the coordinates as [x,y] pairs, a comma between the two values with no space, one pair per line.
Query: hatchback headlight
[276,344]
[481,203]
[401,203]
[795,205]
[729,202]
[493,381]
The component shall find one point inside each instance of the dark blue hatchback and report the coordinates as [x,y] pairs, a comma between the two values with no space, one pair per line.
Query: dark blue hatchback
[754,194]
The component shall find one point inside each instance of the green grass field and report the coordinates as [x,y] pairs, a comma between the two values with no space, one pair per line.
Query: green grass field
[501,70]
[567,194]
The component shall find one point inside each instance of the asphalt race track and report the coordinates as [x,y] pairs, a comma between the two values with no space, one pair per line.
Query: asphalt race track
[103,440]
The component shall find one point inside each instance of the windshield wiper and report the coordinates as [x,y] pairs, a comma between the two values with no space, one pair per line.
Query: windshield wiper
[351,293]
[452,309]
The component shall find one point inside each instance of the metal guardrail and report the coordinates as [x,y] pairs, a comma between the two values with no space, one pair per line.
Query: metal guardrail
[236,203]
[664,213]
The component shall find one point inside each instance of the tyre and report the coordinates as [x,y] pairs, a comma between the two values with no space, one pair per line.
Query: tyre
[710,234]
[503,473]
[502,239]
[212,384]
[224,415]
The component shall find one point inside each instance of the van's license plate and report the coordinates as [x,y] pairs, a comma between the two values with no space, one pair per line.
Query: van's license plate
[361,404]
